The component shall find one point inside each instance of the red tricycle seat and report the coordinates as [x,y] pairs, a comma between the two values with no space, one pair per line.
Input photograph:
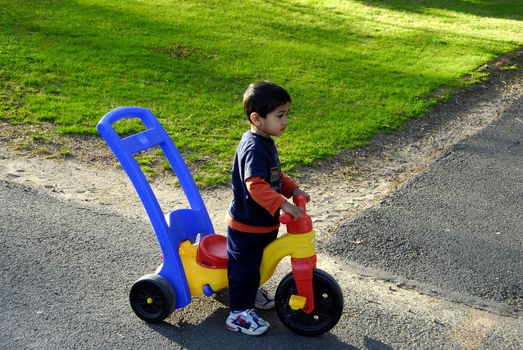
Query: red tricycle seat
[212,251]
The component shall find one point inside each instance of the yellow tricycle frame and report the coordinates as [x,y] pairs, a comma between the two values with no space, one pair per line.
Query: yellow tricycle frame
[297,246]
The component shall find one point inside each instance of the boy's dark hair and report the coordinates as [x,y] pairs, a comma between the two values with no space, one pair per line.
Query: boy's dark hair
[264,97]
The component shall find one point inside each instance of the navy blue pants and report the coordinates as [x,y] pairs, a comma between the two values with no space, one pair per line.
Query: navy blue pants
[245,251]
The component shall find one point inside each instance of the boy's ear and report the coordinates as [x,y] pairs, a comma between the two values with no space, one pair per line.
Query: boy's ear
[255,118]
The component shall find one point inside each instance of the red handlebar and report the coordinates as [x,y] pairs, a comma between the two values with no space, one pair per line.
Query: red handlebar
[285,218]
[301,225]
[300,201]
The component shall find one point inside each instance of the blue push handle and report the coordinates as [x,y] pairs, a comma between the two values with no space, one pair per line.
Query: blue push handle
[176,226]
[117,114]
[138,142]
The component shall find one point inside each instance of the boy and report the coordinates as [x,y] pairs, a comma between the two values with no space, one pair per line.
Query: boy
[260,190]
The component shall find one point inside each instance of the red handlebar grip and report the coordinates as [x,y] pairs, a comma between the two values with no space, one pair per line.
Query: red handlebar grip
[285,218]
[300,201]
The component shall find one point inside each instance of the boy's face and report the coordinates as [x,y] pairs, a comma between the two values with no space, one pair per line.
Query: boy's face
[273,124]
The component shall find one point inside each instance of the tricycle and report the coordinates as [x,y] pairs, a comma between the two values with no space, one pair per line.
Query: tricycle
[308,300]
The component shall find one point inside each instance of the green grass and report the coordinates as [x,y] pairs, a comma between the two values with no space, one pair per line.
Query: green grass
[353,68]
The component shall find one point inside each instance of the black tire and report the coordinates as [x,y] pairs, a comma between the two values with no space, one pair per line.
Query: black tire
[328,305]
[152,298]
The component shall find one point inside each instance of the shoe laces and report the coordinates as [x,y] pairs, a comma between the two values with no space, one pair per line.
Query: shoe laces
[256,317]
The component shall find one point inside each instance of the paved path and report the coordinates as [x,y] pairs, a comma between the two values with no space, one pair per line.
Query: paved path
[456,229]
[66,268]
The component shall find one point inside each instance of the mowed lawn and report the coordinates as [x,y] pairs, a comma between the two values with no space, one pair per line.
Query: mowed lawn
[353,68]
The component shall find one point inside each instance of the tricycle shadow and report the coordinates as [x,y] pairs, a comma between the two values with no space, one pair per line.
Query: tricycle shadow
[210,333]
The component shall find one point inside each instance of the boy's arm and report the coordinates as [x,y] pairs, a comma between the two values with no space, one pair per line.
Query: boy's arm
[264,195]
[288,186]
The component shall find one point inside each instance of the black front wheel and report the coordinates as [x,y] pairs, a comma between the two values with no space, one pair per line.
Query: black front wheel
[152,298]
[328,305]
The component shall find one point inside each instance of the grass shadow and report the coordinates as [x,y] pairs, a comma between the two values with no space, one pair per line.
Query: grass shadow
[506,9]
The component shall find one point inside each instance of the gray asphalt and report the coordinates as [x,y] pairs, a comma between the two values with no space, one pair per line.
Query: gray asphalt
[66,269]
[456,229]
[65,272]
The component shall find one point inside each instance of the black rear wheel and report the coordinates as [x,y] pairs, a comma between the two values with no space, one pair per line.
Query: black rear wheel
[328,305]
[152,298]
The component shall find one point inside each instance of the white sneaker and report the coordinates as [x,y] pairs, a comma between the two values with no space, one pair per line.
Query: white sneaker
[263,300]
[246,322]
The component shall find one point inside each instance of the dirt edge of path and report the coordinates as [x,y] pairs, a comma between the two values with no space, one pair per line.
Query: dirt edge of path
[340,187]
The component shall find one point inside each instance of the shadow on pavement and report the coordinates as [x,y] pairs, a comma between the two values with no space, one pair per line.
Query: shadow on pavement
[373,344]
[210,333]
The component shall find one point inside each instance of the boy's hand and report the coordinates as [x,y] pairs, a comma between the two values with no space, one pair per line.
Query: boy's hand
[297,192]
[295,211]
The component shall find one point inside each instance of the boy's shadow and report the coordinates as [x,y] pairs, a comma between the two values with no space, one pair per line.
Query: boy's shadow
[193,329]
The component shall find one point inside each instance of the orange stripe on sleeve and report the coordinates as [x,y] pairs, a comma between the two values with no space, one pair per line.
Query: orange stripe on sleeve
[287,185]
[263,194]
